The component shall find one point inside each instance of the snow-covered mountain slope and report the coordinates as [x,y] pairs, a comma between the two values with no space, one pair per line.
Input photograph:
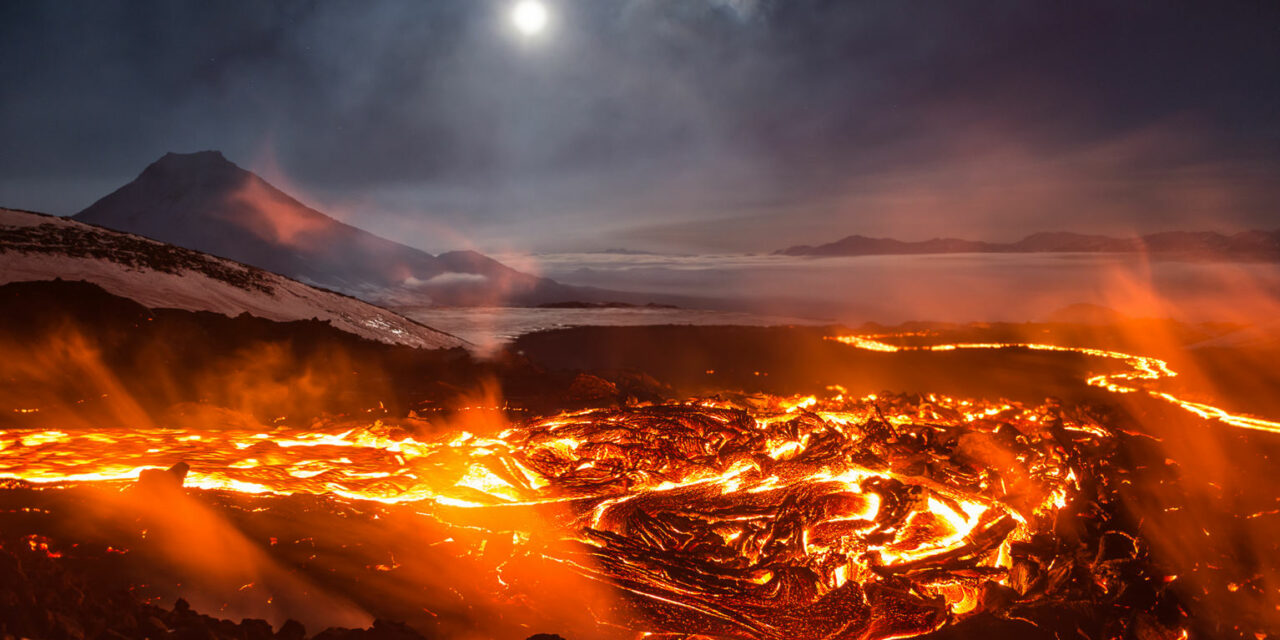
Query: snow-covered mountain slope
[35,247]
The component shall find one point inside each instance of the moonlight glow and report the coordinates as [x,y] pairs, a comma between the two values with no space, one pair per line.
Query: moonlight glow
[529,17]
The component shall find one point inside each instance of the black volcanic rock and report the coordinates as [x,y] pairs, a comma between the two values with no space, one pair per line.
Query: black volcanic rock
[168,361]
[203,201]
[161,480]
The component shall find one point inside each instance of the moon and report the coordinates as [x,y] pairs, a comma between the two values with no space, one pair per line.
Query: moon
[529,17]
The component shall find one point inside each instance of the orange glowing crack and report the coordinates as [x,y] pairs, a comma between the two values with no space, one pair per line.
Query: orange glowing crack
[1142,369]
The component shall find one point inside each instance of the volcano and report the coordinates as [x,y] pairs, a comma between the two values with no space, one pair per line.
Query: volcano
[205,202]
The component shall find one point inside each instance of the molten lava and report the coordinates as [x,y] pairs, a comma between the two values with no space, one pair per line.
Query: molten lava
[759,517]
[1142,372]
[772,518]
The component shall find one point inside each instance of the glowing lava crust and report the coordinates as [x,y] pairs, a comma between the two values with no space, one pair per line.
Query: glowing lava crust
[755,517]
[873,517]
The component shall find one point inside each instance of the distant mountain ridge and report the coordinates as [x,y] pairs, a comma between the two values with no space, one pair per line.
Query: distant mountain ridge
[205,202]
[1246,245]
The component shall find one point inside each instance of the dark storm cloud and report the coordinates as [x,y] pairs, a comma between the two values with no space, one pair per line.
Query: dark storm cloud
[743,123]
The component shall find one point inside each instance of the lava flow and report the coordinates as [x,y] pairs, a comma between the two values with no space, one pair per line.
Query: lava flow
[767,518]
[756,517]
[1142,371]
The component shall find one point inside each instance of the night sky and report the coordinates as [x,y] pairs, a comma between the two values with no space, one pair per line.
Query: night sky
[683,125]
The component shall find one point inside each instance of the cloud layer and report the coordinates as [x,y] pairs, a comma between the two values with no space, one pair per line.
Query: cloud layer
[729,124]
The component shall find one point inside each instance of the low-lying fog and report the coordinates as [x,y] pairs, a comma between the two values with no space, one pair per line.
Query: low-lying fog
[487,327]
[952,287]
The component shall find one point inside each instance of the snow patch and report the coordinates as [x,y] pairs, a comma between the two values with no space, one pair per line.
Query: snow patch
[47,255]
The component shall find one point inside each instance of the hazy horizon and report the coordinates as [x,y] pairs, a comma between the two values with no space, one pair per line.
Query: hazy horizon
[629,244]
